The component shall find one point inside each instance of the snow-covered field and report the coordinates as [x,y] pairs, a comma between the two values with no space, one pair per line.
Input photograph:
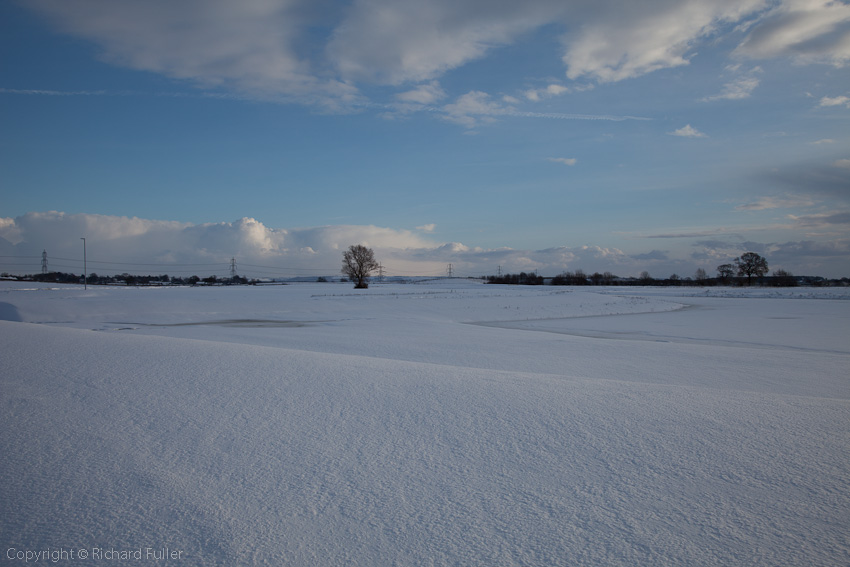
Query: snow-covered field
[441,423]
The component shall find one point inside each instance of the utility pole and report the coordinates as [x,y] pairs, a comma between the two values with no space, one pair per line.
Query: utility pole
[500,270]
[44,262]
[232,268]
[85,270]
[380,272]
[449,270]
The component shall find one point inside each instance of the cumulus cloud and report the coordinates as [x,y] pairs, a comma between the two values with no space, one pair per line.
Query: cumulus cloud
[427,227]
[114,243]
[688,131]
[120,244]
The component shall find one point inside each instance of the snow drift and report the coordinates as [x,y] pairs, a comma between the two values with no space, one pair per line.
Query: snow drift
[383,430]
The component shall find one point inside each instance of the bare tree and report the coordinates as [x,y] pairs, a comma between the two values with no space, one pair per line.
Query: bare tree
[751,264]
[725,272]
[358,262]
[700,276]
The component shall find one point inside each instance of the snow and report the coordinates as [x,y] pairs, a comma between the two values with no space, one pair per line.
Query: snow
[441,423]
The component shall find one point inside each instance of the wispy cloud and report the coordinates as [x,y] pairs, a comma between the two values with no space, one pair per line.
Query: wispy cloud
[835,101]
[474,107]
[740,88]
[536,95]
[292,49]
[127,93]
[688,131]
[623,41]
[822,219]
[810,31]
[566,116]
[694,233]
[426,94]
[46,92]
[765,203]
[565,161]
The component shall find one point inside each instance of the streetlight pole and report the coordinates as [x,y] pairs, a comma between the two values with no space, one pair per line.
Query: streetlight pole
[85,271]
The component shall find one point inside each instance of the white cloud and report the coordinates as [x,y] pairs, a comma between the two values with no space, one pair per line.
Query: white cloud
[10,231]
[624,40]
[300,50]
[688,131]
[835,101]
[247,46]
[397,41]
[842,163]
[809,31]
[472,107]
[149,246]
[43,92]
[536,95]
[821,220]
[113,239]
[765,203]
[427,227]
[739,88]
[428,93]
[565,161]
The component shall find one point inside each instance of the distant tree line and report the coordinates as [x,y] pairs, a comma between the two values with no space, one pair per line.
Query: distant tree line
[130,279]
[748,269]
[521,278]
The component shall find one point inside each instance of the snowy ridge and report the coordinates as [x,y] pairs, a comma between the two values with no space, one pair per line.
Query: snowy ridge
[336,444]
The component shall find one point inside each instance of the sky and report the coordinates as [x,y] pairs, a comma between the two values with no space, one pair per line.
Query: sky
[489,135]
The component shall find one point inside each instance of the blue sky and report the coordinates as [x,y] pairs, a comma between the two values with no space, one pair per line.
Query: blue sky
[658,135]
